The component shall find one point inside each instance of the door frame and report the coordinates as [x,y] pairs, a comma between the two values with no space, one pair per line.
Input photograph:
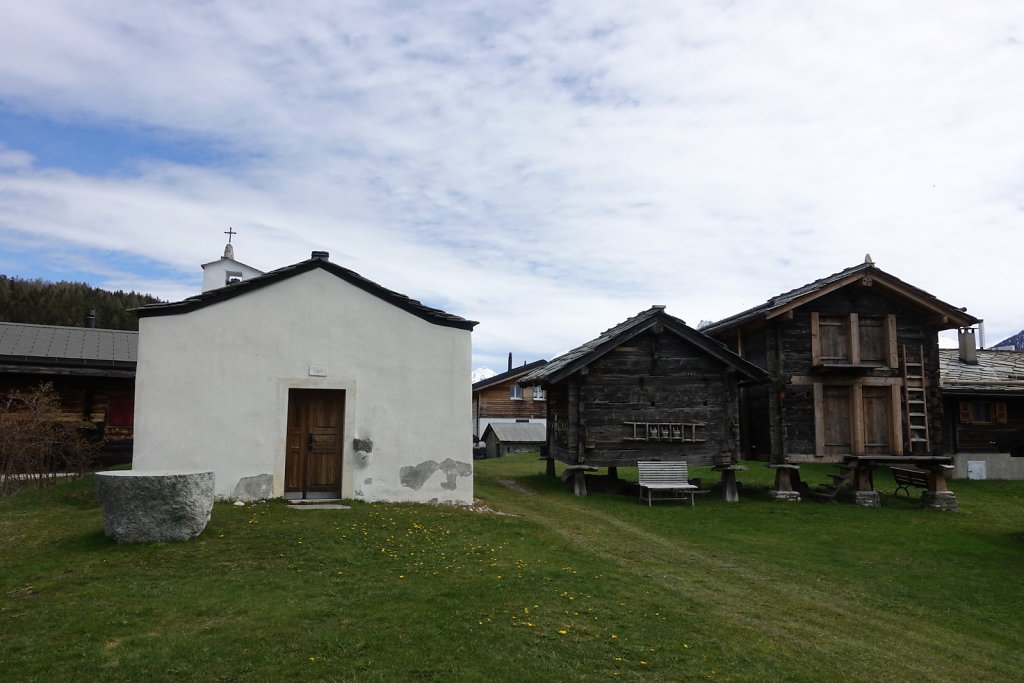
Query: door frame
[348,430]
[857,420]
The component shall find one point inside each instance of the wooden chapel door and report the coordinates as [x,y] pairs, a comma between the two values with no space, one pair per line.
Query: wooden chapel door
[316,419]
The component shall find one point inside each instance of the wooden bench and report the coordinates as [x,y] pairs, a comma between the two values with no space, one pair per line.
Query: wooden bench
[906,478]
[668,477]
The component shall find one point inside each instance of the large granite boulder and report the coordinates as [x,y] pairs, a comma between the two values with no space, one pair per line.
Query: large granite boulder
[145,507]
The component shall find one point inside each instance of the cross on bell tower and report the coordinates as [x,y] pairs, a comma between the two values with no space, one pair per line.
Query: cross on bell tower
[229,251]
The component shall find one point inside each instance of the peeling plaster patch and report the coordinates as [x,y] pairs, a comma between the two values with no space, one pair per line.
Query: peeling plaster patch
[454,469]
[259,487]
[367,481]
[414,477]
[365,445]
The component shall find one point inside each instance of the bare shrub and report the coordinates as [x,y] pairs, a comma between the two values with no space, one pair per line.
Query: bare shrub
[35,444]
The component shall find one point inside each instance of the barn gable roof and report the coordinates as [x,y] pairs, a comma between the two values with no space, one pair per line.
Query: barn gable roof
[946,316]
[318,261]
[568,363]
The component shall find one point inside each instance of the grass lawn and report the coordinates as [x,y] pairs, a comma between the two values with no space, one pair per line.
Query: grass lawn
[561,588]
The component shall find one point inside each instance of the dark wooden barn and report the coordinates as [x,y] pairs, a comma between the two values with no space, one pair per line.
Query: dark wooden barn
[92,370]
[650,388]
[855,367]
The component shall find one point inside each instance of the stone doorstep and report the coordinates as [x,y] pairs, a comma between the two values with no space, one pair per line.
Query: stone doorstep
[319,506]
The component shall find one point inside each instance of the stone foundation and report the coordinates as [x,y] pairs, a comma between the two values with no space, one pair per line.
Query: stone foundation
[148,507]
[939,500]
[868,499]
[793,496]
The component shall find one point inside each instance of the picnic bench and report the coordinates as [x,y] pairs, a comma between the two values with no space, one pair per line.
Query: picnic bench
[906,478]
[670,478]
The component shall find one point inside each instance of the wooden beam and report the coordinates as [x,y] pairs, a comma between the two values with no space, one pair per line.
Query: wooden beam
[815,340]
[892,350]
[896,420]
[857,419]
[819,420]
[854,336]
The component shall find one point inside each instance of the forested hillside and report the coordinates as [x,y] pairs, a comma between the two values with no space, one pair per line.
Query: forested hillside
[65,303]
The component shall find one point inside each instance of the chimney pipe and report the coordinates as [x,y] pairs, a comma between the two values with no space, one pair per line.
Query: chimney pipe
[320,255]
[510,361]
[968,346]
[90,317]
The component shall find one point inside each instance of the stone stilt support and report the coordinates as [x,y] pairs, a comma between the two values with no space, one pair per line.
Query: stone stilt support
[549,468]
[576,476]
[939,500]
[787,482]
[938,495]
[868,499]
[730,488]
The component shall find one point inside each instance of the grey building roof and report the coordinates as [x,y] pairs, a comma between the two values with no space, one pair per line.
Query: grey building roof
[319,260]
[518,432]
[71,346]
[997,372]
[571,361]
[510,374]
[788,300]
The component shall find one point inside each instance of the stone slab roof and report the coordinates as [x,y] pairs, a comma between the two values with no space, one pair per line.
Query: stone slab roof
[997,372]
[55,345]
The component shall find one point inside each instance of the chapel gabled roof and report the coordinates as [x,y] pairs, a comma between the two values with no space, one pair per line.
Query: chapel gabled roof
[318,261]
[947,315]
[571,361]
[505,376]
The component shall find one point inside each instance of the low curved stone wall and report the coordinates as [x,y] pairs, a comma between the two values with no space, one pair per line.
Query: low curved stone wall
[145,507]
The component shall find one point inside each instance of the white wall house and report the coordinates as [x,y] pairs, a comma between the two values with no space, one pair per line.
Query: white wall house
[307,382]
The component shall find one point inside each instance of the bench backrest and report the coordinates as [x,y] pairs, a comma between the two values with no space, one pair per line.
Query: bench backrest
[663,472]
[904,476]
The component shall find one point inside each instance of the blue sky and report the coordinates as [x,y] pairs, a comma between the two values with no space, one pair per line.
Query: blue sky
[547,168]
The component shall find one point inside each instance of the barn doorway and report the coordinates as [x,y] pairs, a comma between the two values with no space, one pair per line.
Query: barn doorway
[316,419]
[857,420]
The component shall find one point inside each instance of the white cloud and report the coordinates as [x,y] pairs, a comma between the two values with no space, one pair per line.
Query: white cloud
[549,167]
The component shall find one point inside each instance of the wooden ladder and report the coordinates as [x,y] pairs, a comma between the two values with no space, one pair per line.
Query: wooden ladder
[915,401]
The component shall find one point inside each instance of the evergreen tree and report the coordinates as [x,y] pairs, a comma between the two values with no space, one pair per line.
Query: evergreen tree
[65,303]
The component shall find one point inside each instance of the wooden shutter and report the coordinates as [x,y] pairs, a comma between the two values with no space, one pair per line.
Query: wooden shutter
[999,408]
[965,412]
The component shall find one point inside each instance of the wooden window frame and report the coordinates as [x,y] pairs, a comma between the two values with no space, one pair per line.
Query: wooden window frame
[996,409]
[515,392]
[891,359]
[539,394]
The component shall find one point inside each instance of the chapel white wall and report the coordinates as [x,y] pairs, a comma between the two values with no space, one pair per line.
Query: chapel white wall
[212,389]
